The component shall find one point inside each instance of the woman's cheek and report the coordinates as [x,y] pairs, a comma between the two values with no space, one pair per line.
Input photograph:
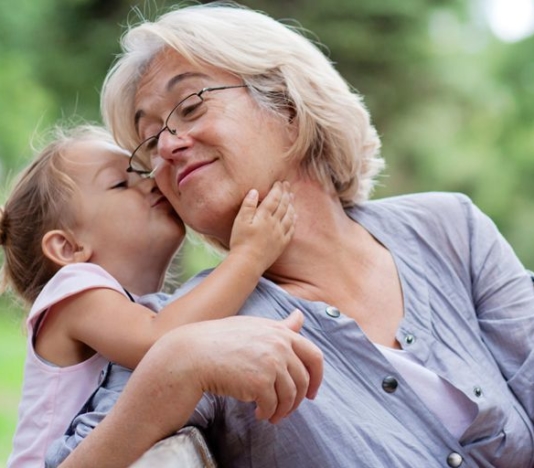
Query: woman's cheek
[163,175]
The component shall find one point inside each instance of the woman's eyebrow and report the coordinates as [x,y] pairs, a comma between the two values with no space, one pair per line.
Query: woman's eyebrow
[181,77]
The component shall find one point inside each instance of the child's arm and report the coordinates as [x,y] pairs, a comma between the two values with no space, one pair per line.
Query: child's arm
[105,321]
[225,357]
[259,236]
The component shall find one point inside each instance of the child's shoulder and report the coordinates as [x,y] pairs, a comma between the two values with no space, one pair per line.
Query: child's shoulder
[70,280]
[78,276]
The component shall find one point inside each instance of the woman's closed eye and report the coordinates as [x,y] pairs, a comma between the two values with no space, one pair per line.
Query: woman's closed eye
[152,142]
[190,110]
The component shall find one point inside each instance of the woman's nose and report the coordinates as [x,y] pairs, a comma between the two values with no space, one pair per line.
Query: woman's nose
[171,145]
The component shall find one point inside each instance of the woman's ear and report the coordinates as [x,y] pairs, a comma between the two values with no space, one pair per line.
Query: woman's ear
[293,122]
[61,247]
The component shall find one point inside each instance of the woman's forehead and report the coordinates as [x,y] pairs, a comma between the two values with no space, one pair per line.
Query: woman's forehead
[158,76]
[170,70]
[168,74]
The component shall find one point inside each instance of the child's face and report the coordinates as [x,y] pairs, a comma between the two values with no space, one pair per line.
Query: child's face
[129,225]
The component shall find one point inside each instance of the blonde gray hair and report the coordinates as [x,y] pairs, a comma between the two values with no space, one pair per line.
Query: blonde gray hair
[336,142]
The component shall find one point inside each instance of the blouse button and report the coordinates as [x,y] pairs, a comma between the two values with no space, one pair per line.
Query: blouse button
[409,339]
[333,312]
[477,391]
[390,384]
[454,460]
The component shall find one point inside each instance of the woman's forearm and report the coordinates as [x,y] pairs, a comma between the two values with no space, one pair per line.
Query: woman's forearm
[248,358]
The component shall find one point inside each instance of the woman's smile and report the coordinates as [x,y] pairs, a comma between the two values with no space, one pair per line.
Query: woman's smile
[189,171]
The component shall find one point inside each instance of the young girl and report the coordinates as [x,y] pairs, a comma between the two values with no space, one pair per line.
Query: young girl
[82,238]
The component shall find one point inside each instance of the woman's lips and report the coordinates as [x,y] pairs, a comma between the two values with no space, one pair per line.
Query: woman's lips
[187,171]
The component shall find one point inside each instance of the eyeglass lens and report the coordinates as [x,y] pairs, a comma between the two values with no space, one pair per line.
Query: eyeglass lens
[190,109]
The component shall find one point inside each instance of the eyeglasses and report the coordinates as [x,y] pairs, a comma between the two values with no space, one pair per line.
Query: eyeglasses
[186,111]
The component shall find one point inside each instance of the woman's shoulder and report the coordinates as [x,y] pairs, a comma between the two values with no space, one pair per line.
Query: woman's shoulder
[435,202]
[437,217]
[423,208]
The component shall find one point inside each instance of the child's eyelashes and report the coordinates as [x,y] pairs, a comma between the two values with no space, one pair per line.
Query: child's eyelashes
[120,185]
[124,180]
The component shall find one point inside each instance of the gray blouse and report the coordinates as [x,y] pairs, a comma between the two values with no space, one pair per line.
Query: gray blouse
[468,317]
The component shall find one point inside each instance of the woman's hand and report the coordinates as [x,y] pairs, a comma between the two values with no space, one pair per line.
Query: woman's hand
[260,360]
[248,358]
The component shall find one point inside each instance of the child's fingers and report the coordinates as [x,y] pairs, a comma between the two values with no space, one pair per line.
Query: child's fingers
[285,202]
[280,198]
[248,207]
[270,203]
[288,221]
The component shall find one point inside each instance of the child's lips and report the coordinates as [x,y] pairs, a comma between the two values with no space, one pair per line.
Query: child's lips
[158,201]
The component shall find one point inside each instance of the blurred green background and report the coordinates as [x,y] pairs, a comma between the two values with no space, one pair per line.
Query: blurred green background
[450,91]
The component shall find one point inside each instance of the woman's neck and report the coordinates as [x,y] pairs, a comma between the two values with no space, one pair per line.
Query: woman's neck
[326,243]
[334,260]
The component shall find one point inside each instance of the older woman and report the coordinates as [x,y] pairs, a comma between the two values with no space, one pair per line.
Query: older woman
[423,313]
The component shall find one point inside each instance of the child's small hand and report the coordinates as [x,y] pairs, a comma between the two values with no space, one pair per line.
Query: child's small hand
[263,232]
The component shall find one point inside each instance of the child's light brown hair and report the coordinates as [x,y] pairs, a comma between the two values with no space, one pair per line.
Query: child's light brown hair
[40,201]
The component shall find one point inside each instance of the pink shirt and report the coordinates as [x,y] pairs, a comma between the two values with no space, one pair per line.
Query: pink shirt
[52,396]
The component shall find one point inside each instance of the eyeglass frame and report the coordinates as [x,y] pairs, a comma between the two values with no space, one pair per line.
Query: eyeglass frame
[155,137]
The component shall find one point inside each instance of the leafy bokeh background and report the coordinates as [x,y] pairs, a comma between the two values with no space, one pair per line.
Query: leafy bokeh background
[454,105]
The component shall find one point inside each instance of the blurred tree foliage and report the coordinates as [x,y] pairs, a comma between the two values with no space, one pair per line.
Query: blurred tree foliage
[454,106]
